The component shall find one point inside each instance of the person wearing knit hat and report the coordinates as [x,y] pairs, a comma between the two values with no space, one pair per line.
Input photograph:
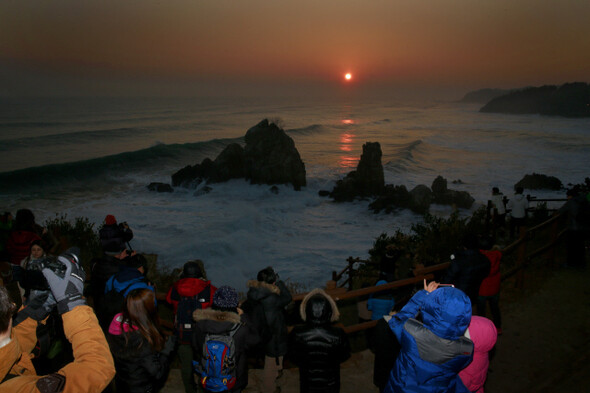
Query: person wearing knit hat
[114,237]
[110,220]
[225,299]
[226,319]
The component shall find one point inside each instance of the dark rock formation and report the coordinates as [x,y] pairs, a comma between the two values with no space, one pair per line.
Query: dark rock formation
[368,179]
[442,195]
[421,198]
[538,181]
[160,187]
[269,157]
[569,100]
[392,198]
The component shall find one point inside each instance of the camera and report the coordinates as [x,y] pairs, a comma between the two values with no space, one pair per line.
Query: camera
[33,277]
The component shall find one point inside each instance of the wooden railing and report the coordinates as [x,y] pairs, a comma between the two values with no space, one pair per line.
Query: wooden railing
[520,247]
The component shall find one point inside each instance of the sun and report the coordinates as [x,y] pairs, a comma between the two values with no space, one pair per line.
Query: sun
[348,76]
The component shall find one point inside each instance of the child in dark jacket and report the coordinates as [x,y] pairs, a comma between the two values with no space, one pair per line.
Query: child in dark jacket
[141,353]
[225,318]
[318,347]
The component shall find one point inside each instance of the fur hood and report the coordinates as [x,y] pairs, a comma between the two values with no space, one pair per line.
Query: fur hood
[263,285]
[325,311]
[216,316]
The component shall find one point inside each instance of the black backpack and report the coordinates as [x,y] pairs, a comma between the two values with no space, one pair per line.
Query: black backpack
[184,324]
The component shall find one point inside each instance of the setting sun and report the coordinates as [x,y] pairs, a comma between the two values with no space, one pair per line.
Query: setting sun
[348,76]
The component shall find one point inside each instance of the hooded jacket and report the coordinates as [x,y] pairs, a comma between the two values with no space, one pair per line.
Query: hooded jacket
[467,271]
[113,238]
[274,298]
[518,205]
[434,350]
[491,284]
[318,347]
[484,335]
[140,369]
[380,303]
[91,370]
[189,287]
[222,322]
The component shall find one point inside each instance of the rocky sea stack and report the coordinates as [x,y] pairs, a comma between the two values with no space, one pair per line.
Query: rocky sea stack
[269,157]
[367,181]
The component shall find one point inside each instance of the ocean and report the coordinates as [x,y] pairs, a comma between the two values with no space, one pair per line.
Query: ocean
[94,156]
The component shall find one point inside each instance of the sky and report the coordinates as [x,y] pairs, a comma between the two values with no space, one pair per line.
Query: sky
[184,47]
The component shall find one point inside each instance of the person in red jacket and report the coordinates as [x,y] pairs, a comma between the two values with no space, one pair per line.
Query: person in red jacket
[489,290]
[192,292]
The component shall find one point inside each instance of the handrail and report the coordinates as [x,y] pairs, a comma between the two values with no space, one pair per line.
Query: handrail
[338,293]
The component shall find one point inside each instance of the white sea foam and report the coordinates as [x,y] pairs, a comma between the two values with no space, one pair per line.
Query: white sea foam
[238,228]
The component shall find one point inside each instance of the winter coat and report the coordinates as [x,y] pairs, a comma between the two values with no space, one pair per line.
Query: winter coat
[318,347]
[571,210]
[467,271]
[432,351]
[498,203]
[123,282]
[18,245]
[114,238]
[140,369]
[386,350]
[189,287]
[518,205]
[91,370]
[274,298]
[491,284]
[380,303]
[222,322]
[484,335]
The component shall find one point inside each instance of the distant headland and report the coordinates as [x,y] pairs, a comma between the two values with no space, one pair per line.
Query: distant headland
[568,100]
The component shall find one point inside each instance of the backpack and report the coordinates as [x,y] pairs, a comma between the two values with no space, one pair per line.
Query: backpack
[218,361]
[115,292]
[184,324]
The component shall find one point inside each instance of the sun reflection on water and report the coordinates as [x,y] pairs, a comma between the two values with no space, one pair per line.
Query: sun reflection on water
[347,141]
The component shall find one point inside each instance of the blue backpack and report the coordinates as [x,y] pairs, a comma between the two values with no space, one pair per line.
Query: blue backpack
[218,361]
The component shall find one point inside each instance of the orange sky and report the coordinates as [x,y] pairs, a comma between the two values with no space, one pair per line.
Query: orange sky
[443,43]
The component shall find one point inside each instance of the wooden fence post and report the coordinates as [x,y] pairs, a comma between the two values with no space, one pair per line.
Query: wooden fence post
[554,236]
[521,255]
[350,272]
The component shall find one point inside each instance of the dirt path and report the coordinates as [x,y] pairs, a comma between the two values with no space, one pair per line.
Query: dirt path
[546,342]
[545,346]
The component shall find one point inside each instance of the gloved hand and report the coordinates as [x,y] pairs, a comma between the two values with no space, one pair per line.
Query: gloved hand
[68,289]
[38,306]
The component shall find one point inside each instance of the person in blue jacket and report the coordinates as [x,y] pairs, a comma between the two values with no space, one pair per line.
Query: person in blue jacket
[430,329]
[380,303]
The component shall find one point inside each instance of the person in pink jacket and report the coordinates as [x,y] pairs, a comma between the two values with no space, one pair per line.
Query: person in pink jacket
[483,334]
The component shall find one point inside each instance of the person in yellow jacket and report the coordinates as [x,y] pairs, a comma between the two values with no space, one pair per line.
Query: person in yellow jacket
[92,368]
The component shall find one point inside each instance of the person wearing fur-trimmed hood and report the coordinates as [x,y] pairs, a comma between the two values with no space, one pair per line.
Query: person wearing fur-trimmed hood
[273,295]
[223,317]
[318,347]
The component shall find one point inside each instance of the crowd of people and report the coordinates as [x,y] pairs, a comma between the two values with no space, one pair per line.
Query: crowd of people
[52,339]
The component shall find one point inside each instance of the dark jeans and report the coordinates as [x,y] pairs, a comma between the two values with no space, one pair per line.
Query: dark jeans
[516,223]
[494,308]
